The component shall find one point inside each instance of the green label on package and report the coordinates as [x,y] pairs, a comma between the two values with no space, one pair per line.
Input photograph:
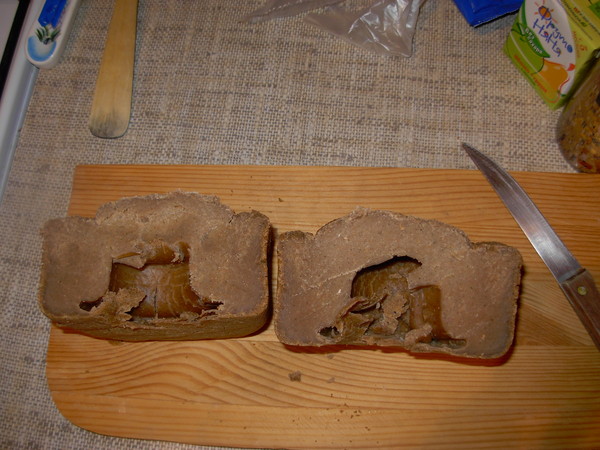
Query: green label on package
[553,43]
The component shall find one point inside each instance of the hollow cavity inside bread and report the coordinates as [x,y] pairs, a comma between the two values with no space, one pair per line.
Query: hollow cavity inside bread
[173,266]
[383,278]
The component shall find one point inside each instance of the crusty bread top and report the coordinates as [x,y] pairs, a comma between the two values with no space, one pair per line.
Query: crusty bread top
[478,281]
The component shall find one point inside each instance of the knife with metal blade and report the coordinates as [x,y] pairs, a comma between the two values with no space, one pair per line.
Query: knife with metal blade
[575,281]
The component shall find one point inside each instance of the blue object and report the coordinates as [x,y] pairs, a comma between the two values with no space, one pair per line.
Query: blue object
[52,12]
[481,11]
[39,51]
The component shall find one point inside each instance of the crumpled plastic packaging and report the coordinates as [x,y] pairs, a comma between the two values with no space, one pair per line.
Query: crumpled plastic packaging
[386,27]
[478,12]
[278,9]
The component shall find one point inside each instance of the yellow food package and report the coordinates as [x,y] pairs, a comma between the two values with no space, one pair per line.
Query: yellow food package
[553,43]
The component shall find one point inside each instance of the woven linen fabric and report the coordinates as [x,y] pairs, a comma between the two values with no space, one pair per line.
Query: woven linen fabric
[211,90]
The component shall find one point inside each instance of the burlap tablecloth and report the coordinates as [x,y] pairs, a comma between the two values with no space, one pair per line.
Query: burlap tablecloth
[210,90]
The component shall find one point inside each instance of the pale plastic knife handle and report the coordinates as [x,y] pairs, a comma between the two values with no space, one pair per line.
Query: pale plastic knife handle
[582,293]
[48,35]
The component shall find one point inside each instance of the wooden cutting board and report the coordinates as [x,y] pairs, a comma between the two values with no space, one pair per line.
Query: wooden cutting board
[256,392]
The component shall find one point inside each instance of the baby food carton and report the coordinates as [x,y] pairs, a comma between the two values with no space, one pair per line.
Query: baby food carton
[554,43]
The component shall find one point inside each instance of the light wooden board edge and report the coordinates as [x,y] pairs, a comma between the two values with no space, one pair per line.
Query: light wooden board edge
[338,427]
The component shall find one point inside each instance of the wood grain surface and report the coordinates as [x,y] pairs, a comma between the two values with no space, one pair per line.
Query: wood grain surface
[256,392]
[111,105]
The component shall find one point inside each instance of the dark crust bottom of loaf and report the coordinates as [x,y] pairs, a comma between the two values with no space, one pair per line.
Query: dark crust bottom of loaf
[172,330]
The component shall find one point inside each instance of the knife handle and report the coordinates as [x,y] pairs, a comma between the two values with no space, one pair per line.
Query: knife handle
[582,293]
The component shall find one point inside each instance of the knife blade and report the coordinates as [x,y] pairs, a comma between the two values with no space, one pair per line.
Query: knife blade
[575,281]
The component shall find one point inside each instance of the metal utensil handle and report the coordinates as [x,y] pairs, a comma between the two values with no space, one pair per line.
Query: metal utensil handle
[582,293]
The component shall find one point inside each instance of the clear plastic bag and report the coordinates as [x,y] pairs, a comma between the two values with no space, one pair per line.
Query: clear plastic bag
[386,27]
[277,9]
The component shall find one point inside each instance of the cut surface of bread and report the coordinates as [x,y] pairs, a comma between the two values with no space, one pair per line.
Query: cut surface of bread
[160,267]
[385,279]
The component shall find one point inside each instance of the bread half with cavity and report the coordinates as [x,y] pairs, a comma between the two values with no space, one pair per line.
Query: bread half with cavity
[385,279]
[161,267]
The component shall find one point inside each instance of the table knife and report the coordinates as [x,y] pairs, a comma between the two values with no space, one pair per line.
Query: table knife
[575,281]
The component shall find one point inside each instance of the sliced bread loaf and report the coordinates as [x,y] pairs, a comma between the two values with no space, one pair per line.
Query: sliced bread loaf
[386,279]
[174,266]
